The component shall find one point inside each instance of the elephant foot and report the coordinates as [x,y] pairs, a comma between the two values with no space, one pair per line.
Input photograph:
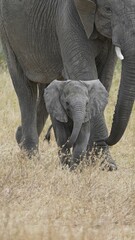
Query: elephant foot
[67,161]
[28,146]
[102,153]
[107,163]
[73,164]
[64,158]
[30,152]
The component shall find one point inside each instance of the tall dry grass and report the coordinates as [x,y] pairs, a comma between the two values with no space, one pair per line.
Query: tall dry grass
[39,200]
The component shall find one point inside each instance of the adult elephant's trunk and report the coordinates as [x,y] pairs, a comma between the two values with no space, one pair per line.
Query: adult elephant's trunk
[78,119]
[126,97]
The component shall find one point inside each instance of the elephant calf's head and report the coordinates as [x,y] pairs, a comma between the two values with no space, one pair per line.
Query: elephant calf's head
[77,100]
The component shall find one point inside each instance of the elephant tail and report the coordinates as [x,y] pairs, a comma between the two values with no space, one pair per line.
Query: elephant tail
[48,134]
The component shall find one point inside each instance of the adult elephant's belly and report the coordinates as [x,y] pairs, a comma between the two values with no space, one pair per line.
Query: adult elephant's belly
[33,39]
[39,58]
[40,65]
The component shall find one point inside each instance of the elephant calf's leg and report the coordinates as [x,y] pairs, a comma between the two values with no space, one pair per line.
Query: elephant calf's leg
[80,147]
[64,155]
[62,133]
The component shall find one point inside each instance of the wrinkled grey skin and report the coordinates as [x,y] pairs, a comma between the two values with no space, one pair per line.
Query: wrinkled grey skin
[46,40]
[72,106]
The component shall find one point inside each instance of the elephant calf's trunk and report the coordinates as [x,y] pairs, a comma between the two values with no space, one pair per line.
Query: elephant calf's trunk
[77,124]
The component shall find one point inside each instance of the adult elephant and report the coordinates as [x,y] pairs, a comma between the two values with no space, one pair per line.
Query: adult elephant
[50,39]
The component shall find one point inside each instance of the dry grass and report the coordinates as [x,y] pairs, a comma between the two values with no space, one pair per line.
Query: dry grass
[39,200]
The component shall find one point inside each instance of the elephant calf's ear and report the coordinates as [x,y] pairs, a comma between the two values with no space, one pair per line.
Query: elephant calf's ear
[98,97]
[52,101]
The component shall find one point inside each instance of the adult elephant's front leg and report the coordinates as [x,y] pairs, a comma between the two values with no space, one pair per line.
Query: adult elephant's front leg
[105,63]
[26,134]
[97,143]
[26,91]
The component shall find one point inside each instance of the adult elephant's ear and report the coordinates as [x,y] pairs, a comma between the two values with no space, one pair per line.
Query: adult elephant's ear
[52,100]
[86,10]
[98,97]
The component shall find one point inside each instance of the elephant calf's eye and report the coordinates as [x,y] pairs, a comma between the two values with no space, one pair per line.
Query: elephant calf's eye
[67,103]
[87,103]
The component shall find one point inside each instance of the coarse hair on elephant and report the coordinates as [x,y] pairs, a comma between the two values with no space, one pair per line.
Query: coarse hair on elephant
[72,106]
[68,39]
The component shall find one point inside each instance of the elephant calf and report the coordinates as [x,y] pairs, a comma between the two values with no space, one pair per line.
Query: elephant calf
[72,106]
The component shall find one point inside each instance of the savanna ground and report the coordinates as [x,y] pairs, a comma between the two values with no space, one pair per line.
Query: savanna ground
[39,200]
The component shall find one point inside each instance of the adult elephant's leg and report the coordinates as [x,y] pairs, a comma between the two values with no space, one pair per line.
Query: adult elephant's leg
[26,134]
[97,144]
[26,91]
[62,132]
[42,113]
[105,63]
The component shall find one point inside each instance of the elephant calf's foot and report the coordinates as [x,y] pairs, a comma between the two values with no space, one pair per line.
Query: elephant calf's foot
[73,164]
[64,158]
[67,161]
